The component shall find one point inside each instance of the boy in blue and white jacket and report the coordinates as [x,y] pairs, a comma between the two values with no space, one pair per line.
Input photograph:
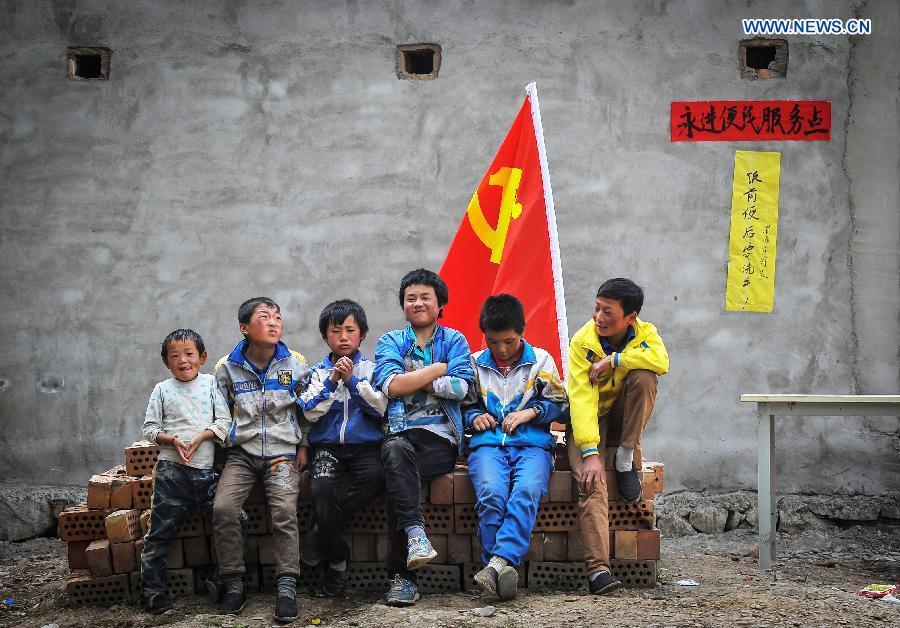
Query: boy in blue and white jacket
[516,396]
[346,412]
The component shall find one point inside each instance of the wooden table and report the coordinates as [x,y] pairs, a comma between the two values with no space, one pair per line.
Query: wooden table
[768,407]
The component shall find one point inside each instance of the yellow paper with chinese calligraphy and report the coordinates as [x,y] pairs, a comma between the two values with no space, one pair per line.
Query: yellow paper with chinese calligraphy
[754,232]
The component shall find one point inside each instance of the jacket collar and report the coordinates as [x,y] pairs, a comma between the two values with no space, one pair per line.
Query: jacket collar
[487,359]
[237,354]
[589,339]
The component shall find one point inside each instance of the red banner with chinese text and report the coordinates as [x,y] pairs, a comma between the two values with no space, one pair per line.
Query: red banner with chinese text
[751,120]
[507,242]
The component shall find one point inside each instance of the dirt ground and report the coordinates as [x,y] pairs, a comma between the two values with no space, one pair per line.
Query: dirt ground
[814,584]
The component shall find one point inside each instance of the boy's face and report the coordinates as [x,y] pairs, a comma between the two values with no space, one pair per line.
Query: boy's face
[420,305]
[343,339]
[184,360]
[610,319]
[264,327]
[503,345]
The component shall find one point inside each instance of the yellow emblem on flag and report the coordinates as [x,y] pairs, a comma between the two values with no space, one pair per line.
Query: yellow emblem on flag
[754,232]
[510,208]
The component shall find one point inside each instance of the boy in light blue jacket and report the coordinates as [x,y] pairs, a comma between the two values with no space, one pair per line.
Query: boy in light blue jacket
[346,413]
[516,396]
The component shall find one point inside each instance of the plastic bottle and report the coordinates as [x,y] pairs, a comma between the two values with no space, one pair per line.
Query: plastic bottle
[396,415]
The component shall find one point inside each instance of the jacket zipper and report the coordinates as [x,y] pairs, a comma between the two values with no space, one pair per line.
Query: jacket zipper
[346,415]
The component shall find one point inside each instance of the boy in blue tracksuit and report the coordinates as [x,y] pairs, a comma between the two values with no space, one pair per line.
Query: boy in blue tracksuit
[346,414]
[424,370]
[516,396]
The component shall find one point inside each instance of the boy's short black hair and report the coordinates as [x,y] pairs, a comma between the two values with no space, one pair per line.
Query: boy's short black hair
[625,291]
[182,335]
[502,312]
[336,313]
[245,312]
[425,277]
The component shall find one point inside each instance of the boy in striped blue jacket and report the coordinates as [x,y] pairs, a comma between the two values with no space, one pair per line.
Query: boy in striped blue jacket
[516,396]
[346,412]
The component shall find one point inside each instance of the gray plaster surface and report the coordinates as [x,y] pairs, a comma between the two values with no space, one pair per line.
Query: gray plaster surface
[268,148]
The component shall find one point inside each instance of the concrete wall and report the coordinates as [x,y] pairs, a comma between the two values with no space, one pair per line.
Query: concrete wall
[247,148]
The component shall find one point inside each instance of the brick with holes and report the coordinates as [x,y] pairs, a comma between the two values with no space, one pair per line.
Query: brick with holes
[625,544]
[83,590]
[555,546]
[123,525]
[142,492]
[648,544]
[464,519]
[99,489]
[79,523]
[140,458]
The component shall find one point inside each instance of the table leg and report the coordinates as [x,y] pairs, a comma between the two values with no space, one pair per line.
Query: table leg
[766,495]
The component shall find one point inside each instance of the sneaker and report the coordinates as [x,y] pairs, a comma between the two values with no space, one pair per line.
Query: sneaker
[603,583]
[285,609]
[155,603]
[507,583]
[310,552]
[419,552]
[335,581]
[487,580]
[232,603]
[403,592]
[629,485]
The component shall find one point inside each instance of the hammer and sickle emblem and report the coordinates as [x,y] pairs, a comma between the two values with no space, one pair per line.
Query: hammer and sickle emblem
[495,239]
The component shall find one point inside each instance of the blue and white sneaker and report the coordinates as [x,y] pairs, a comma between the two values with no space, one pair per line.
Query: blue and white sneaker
[419,552]
[403,592]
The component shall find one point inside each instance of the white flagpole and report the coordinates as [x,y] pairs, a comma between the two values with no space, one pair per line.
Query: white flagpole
[561,321]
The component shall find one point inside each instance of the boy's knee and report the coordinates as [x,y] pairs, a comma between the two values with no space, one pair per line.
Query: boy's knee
[641,379]
[396,449]
[226,510]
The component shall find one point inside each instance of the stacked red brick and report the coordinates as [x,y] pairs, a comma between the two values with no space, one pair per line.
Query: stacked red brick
[105,537]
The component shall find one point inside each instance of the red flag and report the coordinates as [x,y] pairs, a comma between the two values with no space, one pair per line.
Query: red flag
[507,242]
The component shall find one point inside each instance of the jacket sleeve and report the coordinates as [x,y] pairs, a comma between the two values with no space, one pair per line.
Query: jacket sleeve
[551,395]
[370,400]
[455,384]
[650,355]
[316,398]
[223,381]
[154,415]
[472,405]
[222,419]
[583,402]
[388,362]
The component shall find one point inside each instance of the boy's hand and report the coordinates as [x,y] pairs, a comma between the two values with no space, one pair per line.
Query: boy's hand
[184,451]
[344,368]
[592,474]
[198,440]
[302,459]
[440,369]
[484,422]
[600,367]
[515,419]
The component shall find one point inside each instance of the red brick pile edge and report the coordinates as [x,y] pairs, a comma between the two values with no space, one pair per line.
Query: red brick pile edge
[105,536]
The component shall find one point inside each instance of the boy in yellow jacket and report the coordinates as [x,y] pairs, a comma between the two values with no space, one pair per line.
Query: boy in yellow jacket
[614,361]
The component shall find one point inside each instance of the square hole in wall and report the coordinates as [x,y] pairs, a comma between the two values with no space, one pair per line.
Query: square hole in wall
[88,64]
[763,58]
[418,61]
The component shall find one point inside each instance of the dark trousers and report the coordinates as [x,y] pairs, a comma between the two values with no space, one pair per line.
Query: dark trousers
[177,491]
[411,459]
[331,465]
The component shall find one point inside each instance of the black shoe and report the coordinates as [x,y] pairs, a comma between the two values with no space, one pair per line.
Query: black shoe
[629,485]
[155,603]
[603,583]
[487,580]
[285,609]
[335,581]
[310,552]
[232,603]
